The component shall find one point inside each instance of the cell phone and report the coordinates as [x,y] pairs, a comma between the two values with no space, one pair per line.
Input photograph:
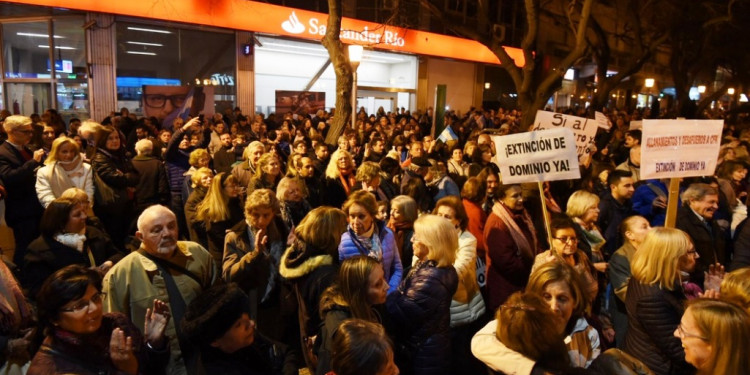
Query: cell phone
[201,118]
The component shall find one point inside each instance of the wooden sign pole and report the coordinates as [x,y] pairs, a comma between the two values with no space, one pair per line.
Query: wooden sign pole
[674,192]
[545,214]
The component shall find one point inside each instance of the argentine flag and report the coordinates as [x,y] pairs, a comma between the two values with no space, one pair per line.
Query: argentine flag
[448,135]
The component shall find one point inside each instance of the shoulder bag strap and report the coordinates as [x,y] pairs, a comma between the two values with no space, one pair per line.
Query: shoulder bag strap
[178,307]
[165,264]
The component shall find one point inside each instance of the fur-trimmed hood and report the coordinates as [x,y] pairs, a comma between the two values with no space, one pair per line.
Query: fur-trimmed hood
[296,263]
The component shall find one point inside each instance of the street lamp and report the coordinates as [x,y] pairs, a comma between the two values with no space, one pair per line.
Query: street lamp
[355,56]
[730,91]
[649,83]
[702,89]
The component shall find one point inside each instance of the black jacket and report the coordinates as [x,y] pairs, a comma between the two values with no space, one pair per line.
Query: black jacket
[19,178]
[653,316]
[420,312]
[611,214]
[152,187]
[262,357]
[711,246]
[45,256]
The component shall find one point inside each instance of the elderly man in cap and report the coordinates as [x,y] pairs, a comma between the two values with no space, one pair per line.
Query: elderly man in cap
[166,269]
[18,165]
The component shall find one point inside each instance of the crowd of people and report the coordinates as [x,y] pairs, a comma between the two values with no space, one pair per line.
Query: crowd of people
[248,245]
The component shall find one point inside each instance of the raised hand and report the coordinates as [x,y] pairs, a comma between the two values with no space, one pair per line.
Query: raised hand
[156,322]
[713,277]
[121,352]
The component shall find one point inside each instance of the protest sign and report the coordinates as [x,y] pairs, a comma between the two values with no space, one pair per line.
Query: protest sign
[679,148]
[584,130]
[546,155]
[602,121]
[635,125]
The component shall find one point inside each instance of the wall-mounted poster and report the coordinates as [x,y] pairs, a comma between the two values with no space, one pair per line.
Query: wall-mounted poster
[299,102]
[166,103]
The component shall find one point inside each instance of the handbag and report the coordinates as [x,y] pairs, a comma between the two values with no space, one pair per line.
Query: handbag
[103,194]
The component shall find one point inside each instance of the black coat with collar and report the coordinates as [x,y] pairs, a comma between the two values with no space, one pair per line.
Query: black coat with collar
[19,177]
[45,256]
[711,246]
[653,316]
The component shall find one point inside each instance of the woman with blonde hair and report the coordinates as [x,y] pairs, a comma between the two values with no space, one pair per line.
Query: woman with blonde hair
[200,182]
[655,300]
[735,288]
[714,335]
[64,168]
[420,308]
[219,211]
[361,285]
[583,208]
[340,177]
[467,304]
[267,173]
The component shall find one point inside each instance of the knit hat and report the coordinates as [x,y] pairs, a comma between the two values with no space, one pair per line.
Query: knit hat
[210,315]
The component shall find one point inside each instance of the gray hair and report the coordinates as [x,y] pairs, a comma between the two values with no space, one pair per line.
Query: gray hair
[144,147]
[696,192]
[12,122]
[150,212]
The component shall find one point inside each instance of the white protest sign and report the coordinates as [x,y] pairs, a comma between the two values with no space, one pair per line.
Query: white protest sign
[584,130]
[635,125]
[602,121]
[545,155]
[679,148]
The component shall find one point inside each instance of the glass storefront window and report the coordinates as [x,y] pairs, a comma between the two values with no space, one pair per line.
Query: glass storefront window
[70,69]
[155,55]
[27,98]
[26,49]
[284,67]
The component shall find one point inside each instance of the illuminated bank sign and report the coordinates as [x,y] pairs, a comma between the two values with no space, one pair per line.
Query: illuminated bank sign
[315,27]
[261,17]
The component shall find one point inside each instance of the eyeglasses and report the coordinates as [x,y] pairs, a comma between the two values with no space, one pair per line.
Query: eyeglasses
[567,239]
[159,100]
[682,334]
[84,305]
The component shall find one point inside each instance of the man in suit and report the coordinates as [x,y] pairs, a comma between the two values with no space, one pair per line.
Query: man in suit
[18,165]
[695,217]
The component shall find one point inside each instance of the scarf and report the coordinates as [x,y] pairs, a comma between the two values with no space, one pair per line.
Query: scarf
[347,182]
[399,230]
[369,242]
[73,240]
[60,179]
[522,243]
[14,311]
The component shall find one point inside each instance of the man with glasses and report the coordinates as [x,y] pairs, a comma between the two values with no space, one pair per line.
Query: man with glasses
[18,165]
[164,102]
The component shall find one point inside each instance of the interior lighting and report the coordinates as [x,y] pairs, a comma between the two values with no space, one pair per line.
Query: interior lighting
[649,82]
[56,47]
[730,91]
[140,53]
[149,30]
[146,44]
[35,35]
[702,89]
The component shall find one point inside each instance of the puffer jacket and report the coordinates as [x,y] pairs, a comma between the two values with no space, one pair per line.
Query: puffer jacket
[350,246]
[420,311]
[653,316]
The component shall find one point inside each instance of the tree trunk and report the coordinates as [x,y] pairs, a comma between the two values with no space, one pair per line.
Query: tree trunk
[342,68]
